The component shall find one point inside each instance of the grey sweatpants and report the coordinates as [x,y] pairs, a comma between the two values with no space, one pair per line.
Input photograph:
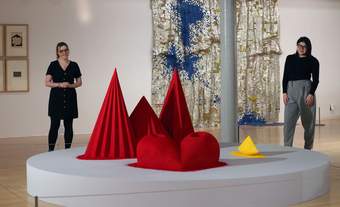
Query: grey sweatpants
[297,92]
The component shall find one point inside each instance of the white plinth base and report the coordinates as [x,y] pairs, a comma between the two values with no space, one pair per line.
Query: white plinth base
[287,176]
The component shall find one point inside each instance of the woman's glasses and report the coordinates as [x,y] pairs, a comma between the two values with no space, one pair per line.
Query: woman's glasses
[64,50]
[301,46]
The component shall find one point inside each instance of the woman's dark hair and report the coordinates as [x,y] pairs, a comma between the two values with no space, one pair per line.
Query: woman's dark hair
[306,40]
[60,44]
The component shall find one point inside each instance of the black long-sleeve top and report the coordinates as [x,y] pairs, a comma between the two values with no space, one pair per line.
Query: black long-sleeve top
[301,68]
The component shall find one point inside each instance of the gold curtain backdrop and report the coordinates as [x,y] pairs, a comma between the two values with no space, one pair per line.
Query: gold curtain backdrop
[186,36]
[258,50]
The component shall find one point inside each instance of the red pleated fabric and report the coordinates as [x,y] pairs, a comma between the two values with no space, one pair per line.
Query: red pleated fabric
[112,136]
[144,121]
[175,115]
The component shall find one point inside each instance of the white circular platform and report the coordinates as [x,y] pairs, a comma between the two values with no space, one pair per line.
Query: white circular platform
[287,176]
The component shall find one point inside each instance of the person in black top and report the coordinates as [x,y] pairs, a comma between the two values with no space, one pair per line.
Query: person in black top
[62,76]
[299,92]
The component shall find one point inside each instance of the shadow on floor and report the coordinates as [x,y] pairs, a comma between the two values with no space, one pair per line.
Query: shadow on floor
[250,161]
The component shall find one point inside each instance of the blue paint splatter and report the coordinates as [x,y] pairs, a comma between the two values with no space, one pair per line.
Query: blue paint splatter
[172,60]
[189,64]
[188,14]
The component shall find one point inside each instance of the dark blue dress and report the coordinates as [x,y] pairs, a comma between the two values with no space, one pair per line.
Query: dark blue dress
[63,101]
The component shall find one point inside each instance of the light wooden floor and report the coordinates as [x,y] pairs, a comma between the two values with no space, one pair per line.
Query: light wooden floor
[15,151]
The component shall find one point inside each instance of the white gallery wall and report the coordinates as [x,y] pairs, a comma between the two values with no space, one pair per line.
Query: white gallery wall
[104,34]
[318,20]
[101,34]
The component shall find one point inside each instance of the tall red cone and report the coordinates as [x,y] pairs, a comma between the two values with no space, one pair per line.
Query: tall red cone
[112,136]
[145,121]
[175,115]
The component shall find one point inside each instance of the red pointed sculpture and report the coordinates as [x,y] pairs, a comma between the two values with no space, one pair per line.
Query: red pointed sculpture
[144,121]
[112,136]
[175,115]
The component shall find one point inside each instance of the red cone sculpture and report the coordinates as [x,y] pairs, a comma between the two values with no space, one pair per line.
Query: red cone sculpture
[175,115]
[182,149]
[145,121]
[112,136]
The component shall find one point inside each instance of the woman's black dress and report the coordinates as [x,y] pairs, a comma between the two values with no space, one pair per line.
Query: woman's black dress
[63,101]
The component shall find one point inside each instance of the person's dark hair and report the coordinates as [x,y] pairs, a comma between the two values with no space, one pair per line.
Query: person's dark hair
[60,44]
[308,43]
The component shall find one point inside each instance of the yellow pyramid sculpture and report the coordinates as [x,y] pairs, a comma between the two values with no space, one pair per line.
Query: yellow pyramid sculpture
[248,149]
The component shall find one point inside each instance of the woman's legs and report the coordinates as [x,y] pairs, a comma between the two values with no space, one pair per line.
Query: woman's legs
[53,133]
[297,92]
[68,136]
[308,123]
[291,116]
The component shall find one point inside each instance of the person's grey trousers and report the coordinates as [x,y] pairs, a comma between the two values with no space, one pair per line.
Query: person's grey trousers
[297,92]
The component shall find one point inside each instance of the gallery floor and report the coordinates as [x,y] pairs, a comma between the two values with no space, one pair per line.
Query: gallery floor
[15,151]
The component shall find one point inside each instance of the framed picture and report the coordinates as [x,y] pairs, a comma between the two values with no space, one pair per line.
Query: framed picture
[2,76]
[16,40]
[16,75]
[1,40]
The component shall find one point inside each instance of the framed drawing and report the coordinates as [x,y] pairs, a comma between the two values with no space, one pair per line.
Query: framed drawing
[16,40]
[2,75]
[2,40]
[16,75]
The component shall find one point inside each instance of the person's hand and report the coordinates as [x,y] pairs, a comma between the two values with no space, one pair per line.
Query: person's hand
[285,98]
[310,100]
[65,84]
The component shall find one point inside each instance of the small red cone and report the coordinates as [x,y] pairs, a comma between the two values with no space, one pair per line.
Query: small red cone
[145,121]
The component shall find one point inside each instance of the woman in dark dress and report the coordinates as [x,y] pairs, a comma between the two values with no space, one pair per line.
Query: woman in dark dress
[62,76]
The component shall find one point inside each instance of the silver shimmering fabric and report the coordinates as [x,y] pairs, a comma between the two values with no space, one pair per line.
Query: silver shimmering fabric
[258,50]
[201,83]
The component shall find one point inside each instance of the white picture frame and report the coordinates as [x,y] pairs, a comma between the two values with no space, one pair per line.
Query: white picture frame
[16,40]
[17,75]
[2,76]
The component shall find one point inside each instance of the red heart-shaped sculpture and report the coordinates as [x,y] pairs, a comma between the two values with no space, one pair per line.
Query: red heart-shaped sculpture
[158,152]
[200,150]
[196,151]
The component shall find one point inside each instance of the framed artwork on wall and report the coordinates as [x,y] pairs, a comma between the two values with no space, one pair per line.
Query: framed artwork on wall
[14,58]
[16,40]
[1,40]
[16,75]
[2,75]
